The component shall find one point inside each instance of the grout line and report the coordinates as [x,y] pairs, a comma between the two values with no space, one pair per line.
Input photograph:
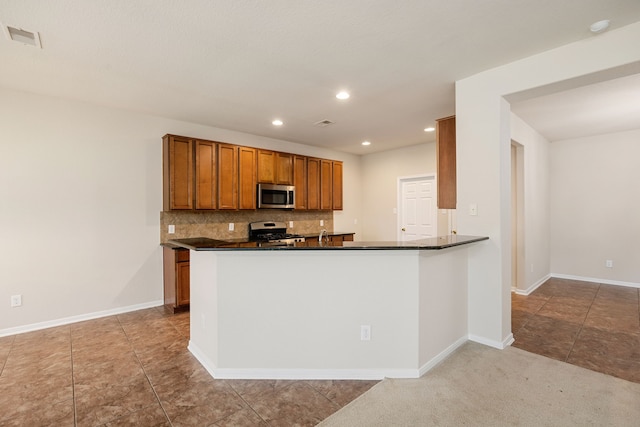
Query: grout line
[582,325]
[13,340]
[144,371]
[73,379]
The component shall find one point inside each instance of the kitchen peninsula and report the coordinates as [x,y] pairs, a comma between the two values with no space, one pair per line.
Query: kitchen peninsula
[359,310]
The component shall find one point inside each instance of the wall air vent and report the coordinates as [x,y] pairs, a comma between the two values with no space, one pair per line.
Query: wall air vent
[323,123]
[23,36]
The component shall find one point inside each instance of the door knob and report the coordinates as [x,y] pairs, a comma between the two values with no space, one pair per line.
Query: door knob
[404,229]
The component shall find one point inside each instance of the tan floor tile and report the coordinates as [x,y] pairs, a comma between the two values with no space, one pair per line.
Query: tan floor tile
[152,416]
[298,404]
[97,405]
[58,414]
[341,392]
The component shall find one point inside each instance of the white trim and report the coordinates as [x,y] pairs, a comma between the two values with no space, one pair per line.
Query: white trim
[78,318]
[442,356]
[596,280]
[491,343]
[532,287]
[319,374]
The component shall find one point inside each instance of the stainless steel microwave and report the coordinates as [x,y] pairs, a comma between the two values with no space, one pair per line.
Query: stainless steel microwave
[272,196]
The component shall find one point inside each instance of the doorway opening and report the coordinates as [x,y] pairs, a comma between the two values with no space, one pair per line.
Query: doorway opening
[517,217]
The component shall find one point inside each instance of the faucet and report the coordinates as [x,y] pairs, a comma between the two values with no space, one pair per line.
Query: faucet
[323,231]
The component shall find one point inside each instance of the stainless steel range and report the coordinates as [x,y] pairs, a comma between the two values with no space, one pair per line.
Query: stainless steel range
[273,233]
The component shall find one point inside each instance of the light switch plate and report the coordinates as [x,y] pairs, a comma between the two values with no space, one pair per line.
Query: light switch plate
[473,209]
[172,229]
[232,226]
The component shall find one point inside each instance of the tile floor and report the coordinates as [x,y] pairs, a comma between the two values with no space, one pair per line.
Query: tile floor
[586,324]
[135,369]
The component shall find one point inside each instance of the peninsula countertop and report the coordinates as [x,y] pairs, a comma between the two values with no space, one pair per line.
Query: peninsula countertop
[433,243]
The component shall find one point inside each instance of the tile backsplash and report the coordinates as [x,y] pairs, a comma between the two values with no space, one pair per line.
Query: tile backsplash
[215,225]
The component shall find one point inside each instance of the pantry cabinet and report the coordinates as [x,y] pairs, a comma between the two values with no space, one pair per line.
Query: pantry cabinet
[446,162]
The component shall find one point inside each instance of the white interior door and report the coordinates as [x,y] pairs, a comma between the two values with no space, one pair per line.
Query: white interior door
[418,210]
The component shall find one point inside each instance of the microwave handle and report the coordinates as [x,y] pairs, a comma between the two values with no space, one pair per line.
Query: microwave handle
[291,200]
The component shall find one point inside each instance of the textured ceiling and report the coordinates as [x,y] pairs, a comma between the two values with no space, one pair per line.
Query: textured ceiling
[238,64]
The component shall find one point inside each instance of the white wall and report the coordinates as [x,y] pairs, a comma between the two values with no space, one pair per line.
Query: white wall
[536,216]
[380,173]
[483,146]
[81,195]
[595,208]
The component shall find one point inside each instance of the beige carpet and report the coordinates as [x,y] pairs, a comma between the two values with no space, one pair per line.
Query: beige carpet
[482,386]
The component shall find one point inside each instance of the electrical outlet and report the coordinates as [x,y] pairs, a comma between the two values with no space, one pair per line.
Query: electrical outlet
[16,300]
[365,332]
[290,224]
[609,263]
[172,229]
[321,222]
[232,226]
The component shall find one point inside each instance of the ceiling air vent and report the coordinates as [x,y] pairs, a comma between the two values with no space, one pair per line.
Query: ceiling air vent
[323,123]
[23,36]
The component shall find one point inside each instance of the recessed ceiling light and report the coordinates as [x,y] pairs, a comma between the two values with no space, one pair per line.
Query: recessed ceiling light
[600,26]
[277,122]
[343,95]
[429,129]
[366,143]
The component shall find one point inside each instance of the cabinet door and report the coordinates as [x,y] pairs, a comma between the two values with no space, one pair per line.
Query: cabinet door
[446,162]
[227,176]
[284,168]
[177,173]
[266,167]
[247,172]
[337,185]
[300,181]
[182,284]
[313,184]
[206,181]
[326,185]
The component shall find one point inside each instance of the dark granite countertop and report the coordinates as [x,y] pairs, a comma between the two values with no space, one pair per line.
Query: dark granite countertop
[434,243]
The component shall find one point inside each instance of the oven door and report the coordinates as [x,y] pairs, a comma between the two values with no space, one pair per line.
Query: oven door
[272,196]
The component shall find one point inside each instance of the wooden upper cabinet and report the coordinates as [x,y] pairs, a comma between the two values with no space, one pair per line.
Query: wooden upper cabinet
[446,162]
[266,167]
[227,176]
[300,181]
[177,173]
[247,178]
[313,183]
[206,179]
[284,168]
[275,167]
[209,175]
[337,185]
[326,184]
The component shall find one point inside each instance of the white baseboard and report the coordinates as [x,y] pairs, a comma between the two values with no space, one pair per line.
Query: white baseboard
[500,345]
[596,280]
[532,287]
[78,318]
[443,355]
[319,374]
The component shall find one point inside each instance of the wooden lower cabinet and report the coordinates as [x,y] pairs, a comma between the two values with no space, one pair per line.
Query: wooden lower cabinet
[176,279]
